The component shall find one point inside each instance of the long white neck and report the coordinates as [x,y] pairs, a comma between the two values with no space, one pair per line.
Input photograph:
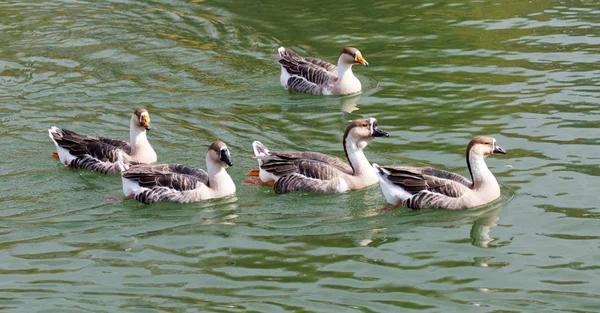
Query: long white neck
[137,137]
[141,150]
[344,70]
[480,173]
[357,158]
[218,178]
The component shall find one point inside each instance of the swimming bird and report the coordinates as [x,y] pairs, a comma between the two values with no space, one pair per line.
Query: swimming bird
[150,183]
[320,173]
[428,187]
[100,153]
[317,77]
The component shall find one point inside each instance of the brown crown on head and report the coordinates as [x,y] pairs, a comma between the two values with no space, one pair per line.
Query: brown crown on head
[139,112]
[217,146]
[357,123]
[483,140]
[349,50]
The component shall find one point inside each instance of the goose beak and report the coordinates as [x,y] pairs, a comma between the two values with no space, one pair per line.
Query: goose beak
[498,149]
[226,158]
[377,132]
[361,60]
[145,121]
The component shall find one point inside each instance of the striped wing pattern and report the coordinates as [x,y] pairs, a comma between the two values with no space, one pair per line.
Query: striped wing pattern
[95,153]
[165,182]
[309,164]
[304,171]
[308,75]
[297,182]
[432,188]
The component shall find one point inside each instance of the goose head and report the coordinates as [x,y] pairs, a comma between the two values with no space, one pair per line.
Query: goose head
[219,154]
[141,119]
[483,146]
[352,56]
[361,132]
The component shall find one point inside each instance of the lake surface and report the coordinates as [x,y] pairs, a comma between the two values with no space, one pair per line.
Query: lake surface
[525,72]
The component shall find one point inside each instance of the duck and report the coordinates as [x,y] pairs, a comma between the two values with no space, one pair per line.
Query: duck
[151,183]
[100,154]
[320,173]
[432,188]
[318,77]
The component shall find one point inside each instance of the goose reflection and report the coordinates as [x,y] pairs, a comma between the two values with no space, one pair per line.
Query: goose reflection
[480,232]
[349,104]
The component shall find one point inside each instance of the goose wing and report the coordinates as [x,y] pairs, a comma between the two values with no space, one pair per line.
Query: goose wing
[177,177]
[102,148]
[431,171]
[308,75]
[298,182]
[331,68]
[309,164]
[331,160]
[415,180]
[290,56]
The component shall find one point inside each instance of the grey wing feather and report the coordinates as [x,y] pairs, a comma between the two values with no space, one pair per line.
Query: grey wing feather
[117,143]
[308,75]
[337,162]
[431,200]
[448,175]
[415,180]
[332,68]
[297,182]
[102,148]
[313,165]
[159,194]
[176,177]
[98,154]
[301,84]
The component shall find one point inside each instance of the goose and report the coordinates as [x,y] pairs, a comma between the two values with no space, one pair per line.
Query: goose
[100,154]
[317,77]
[320,173]
[151,183]
[428,187]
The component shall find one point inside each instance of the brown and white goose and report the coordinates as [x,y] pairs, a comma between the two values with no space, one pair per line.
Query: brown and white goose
[150,183]
[431,188]
[317,77]
[317,172]
[100,153]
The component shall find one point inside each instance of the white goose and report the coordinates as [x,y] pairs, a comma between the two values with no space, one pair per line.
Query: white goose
[100,153]
[317,77]
[317,172]
[427,187]
[180,183]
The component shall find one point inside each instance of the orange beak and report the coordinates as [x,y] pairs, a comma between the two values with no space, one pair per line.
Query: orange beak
[361,60]
[145,121]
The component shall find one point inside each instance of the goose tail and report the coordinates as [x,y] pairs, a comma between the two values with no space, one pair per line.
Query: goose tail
[393,193]
[259,149]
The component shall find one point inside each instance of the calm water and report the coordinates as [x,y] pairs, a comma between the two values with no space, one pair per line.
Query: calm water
[526,72]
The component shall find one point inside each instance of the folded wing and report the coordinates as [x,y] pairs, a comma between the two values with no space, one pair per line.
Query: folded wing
[415,180]
[176,177]
[308,75]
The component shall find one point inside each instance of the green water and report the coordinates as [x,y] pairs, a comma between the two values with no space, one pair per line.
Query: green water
[525,72]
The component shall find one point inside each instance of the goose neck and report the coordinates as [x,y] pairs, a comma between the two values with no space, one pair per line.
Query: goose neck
[356,156]
[480,173]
